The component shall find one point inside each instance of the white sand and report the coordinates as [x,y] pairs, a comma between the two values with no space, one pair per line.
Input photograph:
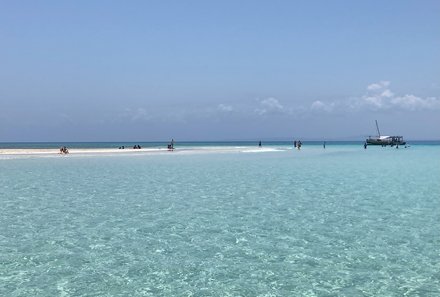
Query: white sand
[74,151]
[99,151]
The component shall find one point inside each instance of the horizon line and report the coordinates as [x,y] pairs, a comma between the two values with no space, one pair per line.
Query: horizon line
[224,140]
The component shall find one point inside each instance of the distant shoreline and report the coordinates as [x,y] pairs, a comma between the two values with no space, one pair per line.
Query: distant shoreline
[162,145]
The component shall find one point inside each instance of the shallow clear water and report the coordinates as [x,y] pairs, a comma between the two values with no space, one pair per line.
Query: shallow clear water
[343,221]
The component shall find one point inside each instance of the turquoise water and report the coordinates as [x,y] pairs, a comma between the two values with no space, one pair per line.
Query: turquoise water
[343,221]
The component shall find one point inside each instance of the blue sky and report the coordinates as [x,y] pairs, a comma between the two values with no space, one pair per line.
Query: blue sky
[218,70]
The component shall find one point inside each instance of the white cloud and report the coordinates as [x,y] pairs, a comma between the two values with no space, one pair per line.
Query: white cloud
[387,94]
[374,101]
[379,97]
[321,106]
[378,86]
[135,115]
[411,102]
[269,105]
[225,108]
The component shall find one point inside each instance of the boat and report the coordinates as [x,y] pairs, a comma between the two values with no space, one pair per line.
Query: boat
[384,140]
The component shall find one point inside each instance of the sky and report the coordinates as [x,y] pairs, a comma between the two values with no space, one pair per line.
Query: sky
[218,70]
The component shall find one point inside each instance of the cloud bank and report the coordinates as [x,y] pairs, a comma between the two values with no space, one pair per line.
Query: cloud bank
[379,96]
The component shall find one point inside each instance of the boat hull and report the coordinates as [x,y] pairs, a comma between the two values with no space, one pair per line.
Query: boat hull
[393,140]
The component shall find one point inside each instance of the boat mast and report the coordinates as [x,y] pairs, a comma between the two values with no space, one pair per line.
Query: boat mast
[377,127]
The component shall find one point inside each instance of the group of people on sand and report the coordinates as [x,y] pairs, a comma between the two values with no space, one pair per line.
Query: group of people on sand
[135,147]
[297,144]
[171,145]
[138,147]
[64,150]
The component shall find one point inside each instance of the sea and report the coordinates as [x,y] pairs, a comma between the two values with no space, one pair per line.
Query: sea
[278,221]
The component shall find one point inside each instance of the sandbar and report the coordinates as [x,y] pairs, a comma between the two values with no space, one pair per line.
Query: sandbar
[102,151]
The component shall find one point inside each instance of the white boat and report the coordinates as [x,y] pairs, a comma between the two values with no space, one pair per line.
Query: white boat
[384,140]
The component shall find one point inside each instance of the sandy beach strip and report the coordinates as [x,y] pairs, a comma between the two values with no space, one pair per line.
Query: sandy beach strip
[100,151]
[75,151]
